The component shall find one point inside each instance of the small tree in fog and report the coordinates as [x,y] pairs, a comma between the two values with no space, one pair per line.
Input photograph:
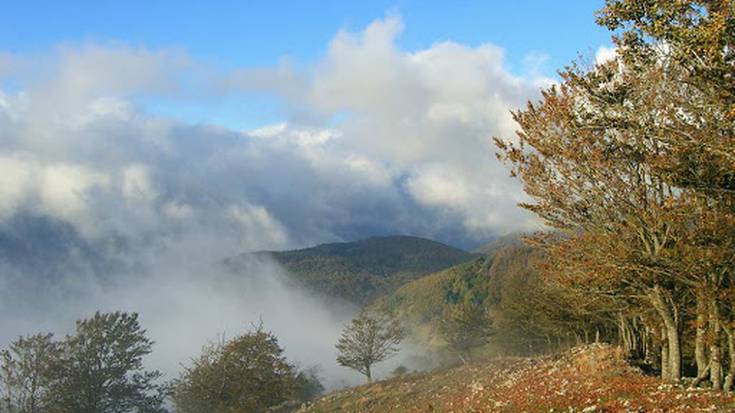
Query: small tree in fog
[370,338]
[101,369]
[246,374]
[26,368]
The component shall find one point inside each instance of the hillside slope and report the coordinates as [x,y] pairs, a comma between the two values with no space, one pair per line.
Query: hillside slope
[499,281]
[362,270]
[587,379]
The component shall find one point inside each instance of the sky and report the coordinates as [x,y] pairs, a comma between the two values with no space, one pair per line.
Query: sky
[302,122]
[537,36]
[144,142]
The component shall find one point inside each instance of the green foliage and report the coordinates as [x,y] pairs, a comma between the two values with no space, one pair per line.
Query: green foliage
[363,270]
[370,338]
[101,368]
[246,374]
[25,374]
[98,369]
[424,300]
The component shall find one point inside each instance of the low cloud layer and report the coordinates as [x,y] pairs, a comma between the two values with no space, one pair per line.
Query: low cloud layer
[106,205]
[375,140]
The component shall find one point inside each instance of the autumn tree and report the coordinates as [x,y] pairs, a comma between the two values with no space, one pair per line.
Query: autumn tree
[370,338]
[101,368]
[584,183]
[636,155]
[26,374]
[685,50]
[248,373]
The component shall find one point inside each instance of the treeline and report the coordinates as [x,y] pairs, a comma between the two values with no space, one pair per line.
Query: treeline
[100,368]
[632,162]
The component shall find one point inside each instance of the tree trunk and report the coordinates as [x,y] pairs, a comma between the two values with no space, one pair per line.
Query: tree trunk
[368,374]
[623,337]
[700,341]
[715,366]
[670,332]
[665,366]
[649,355]
[731,350]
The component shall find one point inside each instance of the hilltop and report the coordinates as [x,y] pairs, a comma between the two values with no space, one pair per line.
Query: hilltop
[360,271]
[587,379]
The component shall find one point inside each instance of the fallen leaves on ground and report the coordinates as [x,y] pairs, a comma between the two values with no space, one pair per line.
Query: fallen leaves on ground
[585,379]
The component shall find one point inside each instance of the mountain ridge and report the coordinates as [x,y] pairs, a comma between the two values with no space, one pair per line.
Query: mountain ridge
[360,271]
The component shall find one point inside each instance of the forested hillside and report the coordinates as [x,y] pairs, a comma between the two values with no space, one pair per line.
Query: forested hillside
[505,284]
[362,270]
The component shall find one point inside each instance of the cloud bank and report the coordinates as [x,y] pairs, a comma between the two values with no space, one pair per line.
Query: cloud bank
[374,140]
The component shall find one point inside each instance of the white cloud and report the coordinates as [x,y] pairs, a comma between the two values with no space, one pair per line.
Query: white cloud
[15,178]
[65,190]
[377,140]
[440,187]
[137,185]
[437,106]
[258,228]
[178,210]
[605,54]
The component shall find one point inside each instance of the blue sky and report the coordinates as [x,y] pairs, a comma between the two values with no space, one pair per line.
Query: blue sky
[538,37]
[235,33]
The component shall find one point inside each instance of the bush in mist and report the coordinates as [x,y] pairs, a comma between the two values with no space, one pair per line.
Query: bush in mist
[370,338]
[246,374]
[98,369]
[400,371]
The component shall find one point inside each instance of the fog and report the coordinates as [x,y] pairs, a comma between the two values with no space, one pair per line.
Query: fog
[184,301]
[186,297]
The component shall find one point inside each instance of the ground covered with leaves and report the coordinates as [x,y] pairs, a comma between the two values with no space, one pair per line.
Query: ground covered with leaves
[586,379]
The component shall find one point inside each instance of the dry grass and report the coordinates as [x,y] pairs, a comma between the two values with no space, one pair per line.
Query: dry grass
[585,379]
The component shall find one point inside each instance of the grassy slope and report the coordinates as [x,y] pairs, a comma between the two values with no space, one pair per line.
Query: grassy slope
[363,270]
[584,379]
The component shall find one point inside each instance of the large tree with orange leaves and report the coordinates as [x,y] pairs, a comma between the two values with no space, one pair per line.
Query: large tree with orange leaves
[633,160]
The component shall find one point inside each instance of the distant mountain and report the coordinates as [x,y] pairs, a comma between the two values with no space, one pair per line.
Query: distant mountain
[362,270]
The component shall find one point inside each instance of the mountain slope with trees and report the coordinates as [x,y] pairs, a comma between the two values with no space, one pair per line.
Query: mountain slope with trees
[362,270]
